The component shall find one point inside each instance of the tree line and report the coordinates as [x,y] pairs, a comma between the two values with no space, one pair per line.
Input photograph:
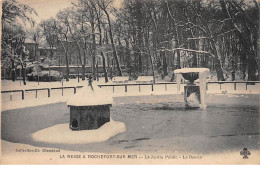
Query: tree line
[151,37]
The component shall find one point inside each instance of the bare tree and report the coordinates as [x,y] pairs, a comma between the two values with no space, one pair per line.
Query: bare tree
[99,18]
[105,5]
[63,36]
[245,21]
[13,35]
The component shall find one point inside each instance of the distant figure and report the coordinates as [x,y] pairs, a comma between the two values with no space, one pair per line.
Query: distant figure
[233,75]
[90,81]
[226,77]
[173,76]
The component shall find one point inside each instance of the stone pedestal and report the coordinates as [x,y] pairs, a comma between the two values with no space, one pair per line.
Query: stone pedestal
[192,96]
[89,108]
[89,117]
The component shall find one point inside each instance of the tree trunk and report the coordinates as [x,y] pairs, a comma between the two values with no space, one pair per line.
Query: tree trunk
[80,61]
[66,58]
[13,71]
[128,54]
[104,67]
[24,75]
[84,60]
[152,66]
[140,65]
[245,37]
[35,54]
[67,68]
[175,35]
[194,55]
[101,50]
[97,72]
[164,64]
[83,70]
[217,62]
[252,67]
[93,51]
[178,59]
[113,44]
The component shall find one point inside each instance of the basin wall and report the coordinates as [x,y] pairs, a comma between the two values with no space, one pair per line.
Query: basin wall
[89,117]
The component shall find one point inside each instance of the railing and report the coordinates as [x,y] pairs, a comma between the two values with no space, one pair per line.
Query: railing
[126,85]
[167,83]
[234,82]
[40,89]
[136,84]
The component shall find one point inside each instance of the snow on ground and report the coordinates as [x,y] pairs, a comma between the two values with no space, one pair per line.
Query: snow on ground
[10,85]
[62,134]
[31,99]
[188,70]
[155,125]
[31,103]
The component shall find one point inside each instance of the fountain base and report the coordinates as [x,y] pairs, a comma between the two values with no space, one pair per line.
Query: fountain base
[192,96]
[61,134]
[89,117]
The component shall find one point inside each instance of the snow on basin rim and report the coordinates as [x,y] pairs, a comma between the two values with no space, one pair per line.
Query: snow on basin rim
[188,70]
[88,97]
[61,134]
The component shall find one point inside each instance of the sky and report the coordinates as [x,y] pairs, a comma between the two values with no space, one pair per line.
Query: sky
[49,8]
[46,8]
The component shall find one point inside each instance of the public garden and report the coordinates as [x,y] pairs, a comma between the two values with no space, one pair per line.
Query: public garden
[85,79]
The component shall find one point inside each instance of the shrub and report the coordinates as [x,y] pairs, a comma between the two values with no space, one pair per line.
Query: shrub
[44,76]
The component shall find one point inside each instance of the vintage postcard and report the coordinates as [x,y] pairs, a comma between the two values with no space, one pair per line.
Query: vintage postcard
[130,82]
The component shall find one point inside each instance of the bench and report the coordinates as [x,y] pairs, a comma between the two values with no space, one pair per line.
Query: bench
[120,79]
[144,79]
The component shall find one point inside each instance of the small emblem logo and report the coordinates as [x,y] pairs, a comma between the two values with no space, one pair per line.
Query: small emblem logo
[245,153]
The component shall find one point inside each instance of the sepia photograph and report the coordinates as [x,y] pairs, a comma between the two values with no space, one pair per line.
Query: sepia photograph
[130,82]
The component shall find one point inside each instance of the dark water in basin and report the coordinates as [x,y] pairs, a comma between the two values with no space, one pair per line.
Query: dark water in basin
[154,123]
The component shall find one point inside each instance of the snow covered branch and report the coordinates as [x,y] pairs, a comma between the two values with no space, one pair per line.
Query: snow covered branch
[197,38]
[187,50]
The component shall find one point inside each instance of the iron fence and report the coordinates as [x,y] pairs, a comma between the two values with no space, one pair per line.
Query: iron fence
[126,85]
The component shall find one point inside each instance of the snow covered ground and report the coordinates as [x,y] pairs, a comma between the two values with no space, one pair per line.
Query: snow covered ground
[10,85]
[154,125]
[14,100]
[62,134]
[149,121]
